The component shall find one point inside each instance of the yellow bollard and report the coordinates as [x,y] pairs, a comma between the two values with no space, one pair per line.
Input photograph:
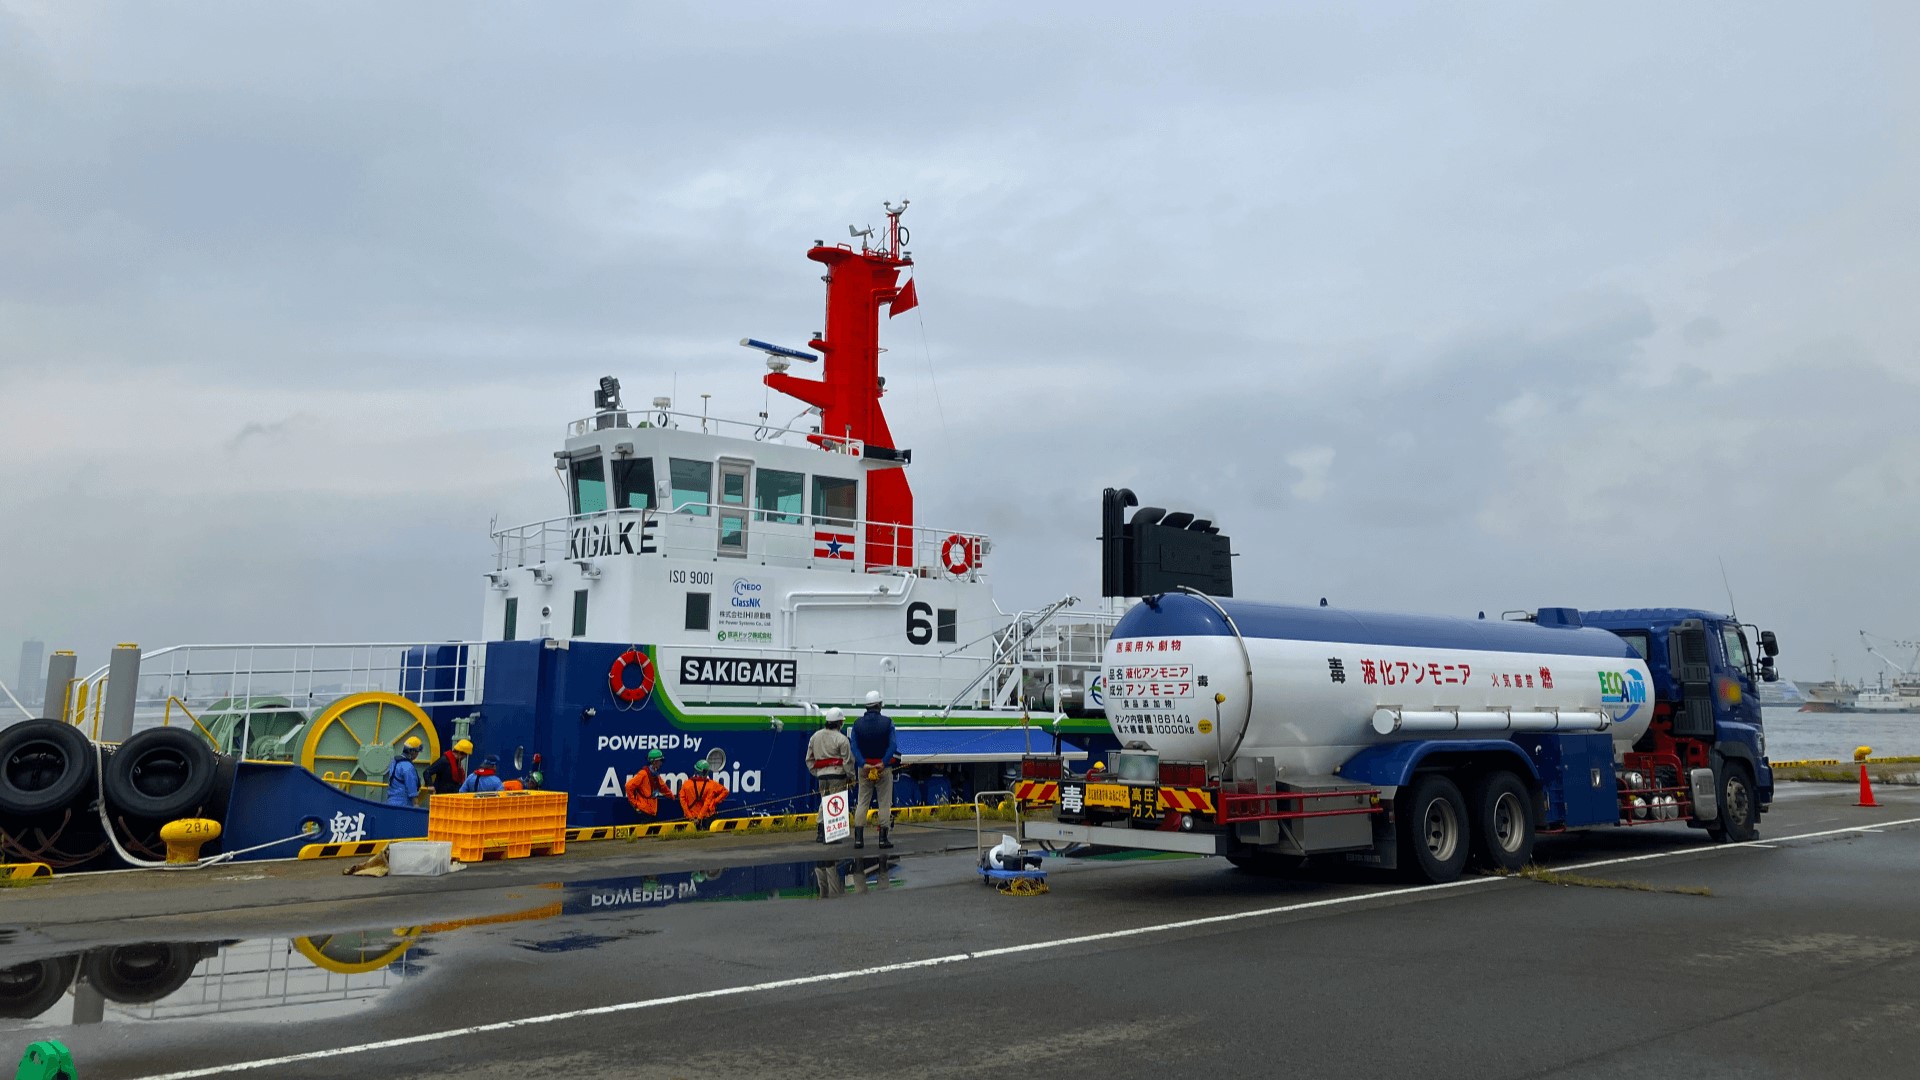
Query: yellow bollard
[1862,753]
[185,836]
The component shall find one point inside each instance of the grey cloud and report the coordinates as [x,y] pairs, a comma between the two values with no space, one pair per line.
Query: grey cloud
[1485,259]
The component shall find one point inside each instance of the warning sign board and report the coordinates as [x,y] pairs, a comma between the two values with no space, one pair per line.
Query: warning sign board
[833,816]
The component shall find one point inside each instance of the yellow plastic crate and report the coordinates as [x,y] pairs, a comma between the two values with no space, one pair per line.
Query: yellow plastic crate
[500,824]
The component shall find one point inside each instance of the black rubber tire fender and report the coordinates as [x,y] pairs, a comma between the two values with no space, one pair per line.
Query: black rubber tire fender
[160,774]
[45,766]
[142,973]
[1503,829]
[27,990]
[1739,820]
[1430,816]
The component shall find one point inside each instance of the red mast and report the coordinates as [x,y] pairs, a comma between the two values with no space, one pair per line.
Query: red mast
[848,393]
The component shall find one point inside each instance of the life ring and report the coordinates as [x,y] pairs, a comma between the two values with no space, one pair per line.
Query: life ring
[617,681]
[956,552]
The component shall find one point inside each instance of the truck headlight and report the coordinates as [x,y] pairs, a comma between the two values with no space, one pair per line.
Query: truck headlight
[1186,822]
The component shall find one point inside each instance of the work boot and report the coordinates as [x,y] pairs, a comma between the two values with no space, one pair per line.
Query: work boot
[819,834]
[884,842]
[859,838]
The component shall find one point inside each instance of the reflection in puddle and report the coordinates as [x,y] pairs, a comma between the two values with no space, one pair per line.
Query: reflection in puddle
[806,880]
[259,980]
[321,976]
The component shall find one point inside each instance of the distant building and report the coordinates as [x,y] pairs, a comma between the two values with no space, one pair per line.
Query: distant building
[32,684]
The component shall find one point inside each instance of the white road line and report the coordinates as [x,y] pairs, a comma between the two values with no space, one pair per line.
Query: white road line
[957,958]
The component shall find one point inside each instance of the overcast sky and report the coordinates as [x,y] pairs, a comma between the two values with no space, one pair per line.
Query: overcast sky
[1443,308]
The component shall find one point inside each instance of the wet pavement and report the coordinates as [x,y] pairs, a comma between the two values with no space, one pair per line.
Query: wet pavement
[1805,960]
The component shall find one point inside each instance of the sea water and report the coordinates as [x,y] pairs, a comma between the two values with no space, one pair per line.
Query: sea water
[1793,735]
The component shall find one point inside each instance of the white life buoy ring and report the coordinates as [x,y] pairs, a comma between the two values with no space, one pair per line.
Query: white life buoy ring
[957,554]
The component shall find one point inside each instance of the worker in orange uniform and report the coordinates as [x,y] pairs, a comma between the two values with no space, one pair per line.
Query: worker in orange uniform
[701,795]
[648,787]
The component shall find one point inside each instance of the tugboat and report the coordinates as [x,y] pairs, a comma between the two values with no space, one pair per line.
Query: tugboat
[712,585]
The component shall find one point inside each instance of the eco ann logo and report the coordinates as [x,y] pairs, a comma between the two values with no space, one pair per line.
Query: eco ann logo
[1097,693]
[1627,689]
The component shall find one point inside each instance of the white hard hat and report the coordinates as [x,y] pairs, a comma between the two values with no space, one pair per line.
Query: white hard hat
[833,716]
[873,697]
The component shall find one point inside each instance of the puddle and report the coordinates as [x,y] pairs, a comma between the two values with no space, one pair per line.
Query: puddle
[260,980]
[332,975]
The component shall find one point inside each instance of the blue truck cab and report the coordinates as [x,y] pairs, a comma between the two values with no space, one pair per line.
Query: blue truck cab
[1706,696]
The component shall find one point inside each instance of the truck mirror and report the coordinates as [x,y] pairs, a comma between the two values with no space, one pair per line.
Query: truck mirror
[1767,672]
[1769,644]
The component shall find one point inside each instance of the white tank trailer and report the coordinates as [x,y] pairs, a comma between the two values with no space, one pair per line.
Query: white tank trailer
[1196,679]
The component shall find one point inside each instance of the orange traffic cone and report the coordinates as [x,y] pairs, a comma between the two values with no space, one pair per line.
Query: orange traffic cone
[1866,788]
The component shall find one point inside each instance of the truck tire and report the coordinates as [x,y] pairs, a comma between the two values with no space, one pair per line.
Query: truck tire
[27,990]
[160,774]
[45,765]
[1503,830]
[1431,817]
[1739,820]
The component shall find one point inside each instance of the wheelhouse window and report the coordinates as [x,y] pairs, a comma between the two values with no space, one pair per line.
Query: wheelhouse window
[589,484]
[777,495]
[836,500]
[692,484]
[633,484]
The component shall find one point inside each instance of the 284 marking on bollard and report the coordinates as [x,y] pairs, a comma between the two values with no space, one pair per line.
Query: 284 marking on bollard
[833,817]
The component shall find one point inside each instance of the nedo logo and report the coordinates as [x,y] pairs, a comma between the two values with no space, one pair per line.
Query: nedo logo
[746,594]
[1628,689]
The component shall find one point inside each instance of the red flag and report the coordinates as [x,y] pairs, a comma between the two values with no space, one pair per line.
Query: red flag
[905,300]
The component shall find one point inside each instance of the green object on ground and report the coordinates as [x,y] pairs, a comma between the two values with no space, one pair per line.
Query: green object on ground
[46,1061]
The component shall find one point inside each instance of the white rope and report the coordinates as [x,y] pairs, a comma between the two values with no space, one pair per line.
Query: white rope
[16,702]
[106,823]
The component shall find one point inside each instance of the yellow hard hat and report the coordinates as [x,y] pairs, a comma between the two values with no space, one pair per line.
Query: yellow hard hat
[462,746]
[412,743]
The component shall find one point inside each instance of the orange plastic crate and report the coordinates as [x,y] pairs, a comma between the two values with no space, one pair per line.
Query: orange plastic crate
[499,824]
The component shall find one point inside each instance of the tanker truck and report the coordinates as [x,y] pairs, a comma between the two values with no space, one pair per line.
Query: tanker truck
[1270,733]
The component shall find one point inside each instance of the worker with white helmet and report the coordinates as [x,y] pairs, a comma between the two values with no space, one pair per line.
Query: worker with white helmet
[403,776]
[830,759]
[878,751]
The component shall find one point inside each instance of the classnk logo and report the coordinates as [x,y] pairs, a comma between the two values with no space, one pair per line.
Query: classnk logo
[746,594]
[611,538]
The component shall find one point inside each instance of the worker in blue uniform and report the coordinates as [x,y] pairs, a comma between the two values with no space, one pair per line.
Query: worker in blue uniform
[876,750]
[403,776]
[483,779]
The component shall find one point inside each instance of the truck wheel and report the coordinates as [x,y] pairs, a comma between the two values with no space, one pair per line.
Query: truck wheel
[1739,820]
[1431,817]
[1502,823]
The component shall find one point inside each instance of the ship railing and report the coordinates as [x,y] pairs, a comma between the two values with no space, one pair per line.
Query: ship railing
[772,537]
[221,690]
[758,430]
